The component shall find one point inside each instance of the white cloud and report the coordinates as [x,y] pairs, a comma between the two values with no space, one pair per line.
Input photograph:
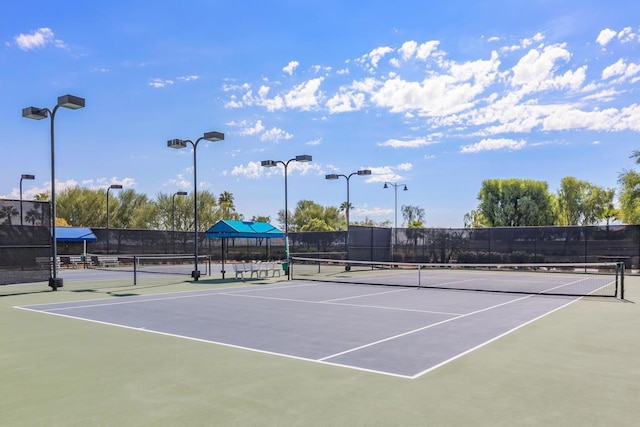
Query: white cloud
[535,71]
[159,83]
[378,53]
[291,67]
[304,96]
[493,144]
[612,70]
[605,37]
[187,78]
[39,38]
[251,170]
[275,134]
[409,143]
[345,101]
[256,129]
[627,35]
[621,69]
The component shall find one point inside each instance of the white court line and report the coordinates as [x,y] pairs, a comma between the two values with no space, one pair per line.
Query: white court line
[167,334]
[341,304]
[151,297]
[423,328]
[457,356]
[323,360]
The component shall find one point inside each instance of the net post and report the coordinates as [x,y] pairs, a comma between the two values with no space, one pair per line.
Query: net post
[622,268]
[135,270]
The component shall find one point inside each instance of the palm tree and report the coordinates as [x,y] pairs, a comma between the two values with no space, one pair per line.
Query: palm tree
[8,212]
[32,216]
[225,201]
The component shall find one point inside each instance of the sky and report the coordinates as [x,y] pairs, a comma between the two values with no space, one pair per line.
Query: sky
[437,96]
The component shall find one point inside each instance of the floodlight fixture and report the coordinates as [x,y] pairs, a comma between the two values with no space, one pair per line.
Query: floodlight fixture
[182,143]
[67,101]
[269,164]
[176,143]
[71,102]
[35,113]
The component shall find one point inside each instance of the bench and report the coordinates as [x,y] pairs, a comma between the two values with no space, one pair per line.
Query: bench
[108,261]
[256,268]
[273,267]
[45,261]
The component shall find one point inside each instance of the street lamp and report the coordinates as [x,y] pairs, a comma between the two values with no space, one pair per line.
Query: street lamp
[348,208]
[173,217]
[24,176]
[115,187]
[73,103]
[269,164]
[182,143]
[395,226]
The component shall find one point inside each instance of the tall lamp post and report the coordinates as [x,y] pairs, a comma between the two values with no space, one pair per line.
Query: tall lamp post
[348,208]
[173,217]
[182,143]
[395,224]
[269,164]
[114,187]
[23,177]
[67,101]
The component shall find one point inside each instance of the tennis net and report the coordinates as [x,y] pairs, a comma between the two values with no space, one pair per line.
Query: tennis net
[574,279]
[151,264]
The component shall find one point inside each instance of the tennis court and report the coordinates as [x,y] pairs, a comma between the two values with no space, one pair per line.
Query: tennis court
[404,331]
[274,352]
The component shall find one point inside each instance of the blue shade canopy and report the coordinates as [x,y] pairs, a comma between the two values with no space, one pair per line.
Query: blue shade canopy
[227,228]
[75,234]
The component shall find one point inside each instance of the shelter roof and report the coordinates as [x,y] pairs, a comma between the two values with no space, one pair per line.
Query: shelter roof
[232,228]
[75,234]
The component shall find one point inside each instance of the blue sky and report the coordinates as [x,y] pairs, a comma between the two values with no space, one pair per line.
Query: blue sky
[436,96]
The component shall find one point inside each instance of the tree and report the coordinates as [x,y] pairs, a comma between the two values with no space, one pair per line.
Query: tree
[413,215]
[473,219]
[581,203]
[306,211]
[261,218]
[83,207]
[8,212]
[515,202]
[132,210]
[32,216]
[226,205]
[629,198]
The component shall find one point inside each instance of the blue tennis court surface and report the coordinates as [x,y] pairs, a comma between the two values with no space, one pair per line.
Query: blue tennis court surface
[403,332]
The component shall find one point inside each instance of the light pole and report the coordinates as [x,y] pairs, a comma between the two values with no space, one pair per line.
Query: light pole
[24,176]
[348,208]
[115,187]
[182,143]
[395,224]
[173,218]
[73,103]
[269,164]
